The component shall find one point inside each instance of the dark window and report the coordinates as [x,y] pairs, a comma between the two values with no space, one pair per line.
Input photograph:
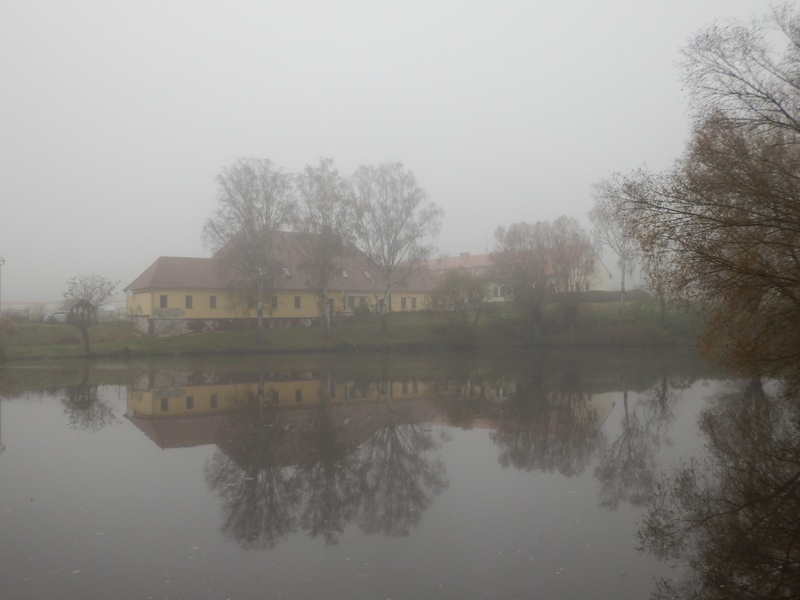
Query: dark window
[189,302]
[298,396]
[403,302]
[274,396]
[274,301]
[413,304]
[213,399]
[212,302]
[297,301]
[351,302]
[189,402]
[164,404]
[163,301]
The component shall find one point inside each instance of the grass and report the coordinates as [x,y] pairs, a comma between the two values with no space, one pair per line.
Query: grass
[599,324]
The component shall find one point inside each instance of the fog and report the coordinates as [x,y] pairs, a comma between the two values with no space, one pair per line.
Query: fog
[117,116]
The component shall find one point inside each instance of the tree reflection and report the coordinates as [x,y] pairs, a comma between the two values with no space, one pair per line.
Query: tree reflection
[398,480]
[734,516]
[259,500]
[327,475]
[84,408]
[627,465]
[548,427]
[285,470]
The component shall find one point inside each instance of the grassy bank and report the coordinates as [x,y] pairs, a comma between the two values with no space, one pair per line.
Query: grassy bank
[600,324]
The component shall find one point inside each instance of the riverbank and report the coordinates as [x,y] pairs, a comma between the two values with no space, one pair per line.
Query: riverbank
[601,324]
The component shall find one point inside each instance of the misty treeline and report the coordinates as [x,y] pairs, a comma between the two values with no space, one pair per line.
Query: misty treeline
[534,262]
[385,213]
[720,228]
[381,209]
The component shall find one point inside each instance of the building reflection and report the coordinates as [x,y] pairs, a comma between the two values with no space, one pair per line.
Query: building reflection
[314,452]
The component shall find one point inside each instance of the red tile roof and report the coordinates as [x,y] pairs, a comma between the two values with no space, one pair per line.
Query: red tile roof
[171,272]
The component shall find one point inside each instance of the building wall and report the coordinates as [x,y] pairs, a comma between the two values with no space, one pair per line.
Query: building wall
[193,310]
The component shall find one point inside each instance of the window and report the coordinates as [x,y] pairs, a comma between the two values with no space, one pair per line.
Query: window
[297,301]
[213,398]
[351,302]
[403,303]
[189,302]
[162,301]
[189,402]
[286,272]
[274,302]
[367,274]
[413,304]
[274,396]
[344,274]
[212,302]
[298,396]
[164,404]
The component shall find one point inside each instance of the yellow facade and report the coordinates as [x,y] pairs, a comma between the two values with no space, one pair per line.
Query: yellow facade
[202,400]
[284,304]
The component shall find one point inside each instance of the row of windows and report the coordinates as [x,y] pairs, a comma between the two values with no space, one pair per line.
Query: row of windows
[273,397]
[163,301]
[189,403]
[351,301]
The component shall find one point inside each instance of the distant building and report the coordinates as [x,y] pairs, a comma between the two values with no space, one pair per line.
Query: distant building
[185,294]
[481,265]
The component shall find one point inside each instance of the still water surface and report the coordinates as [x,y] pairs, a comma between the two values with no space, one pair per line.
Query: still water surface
[313,477]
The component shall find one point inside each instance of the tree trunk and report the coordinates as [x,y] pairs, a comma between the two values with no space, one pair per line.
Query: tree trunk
[383,311]
[622,288]
[326,309]
[85,336]
[260,333]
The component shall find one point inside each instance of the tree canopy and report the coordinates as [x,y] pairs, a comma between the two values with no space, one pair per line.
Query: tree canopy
[394,219]
[254,201]
[84,296]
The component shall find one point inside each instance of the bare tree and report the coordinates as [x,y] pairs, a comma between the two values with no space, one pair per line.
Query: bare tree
[394,216]
[727,214]
[85,295]
[522,265]
[572,264]
[325,221]
[254,201]
[609,230]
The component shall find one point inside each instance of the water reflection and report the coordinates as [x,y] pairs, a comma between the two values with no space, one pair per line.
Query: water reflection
[627,465]
[83,406]
[318,449]
[733,518]
[316,469]
[551,424]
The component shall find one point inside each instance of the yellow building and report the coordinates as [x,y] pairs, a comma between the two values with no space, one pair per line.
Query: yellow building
[183,294]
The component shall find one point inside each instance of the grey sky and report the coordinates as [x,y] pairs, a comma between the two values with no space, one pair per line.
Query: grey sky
[115,117]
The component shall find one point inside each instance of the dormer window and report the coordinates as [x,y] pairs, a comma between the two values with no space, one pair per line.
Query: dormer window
[344,274]
[367,274]
[286,272]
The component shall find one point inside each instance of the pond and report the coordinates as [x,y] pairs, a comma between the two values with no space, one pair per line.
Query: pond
[460,476]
